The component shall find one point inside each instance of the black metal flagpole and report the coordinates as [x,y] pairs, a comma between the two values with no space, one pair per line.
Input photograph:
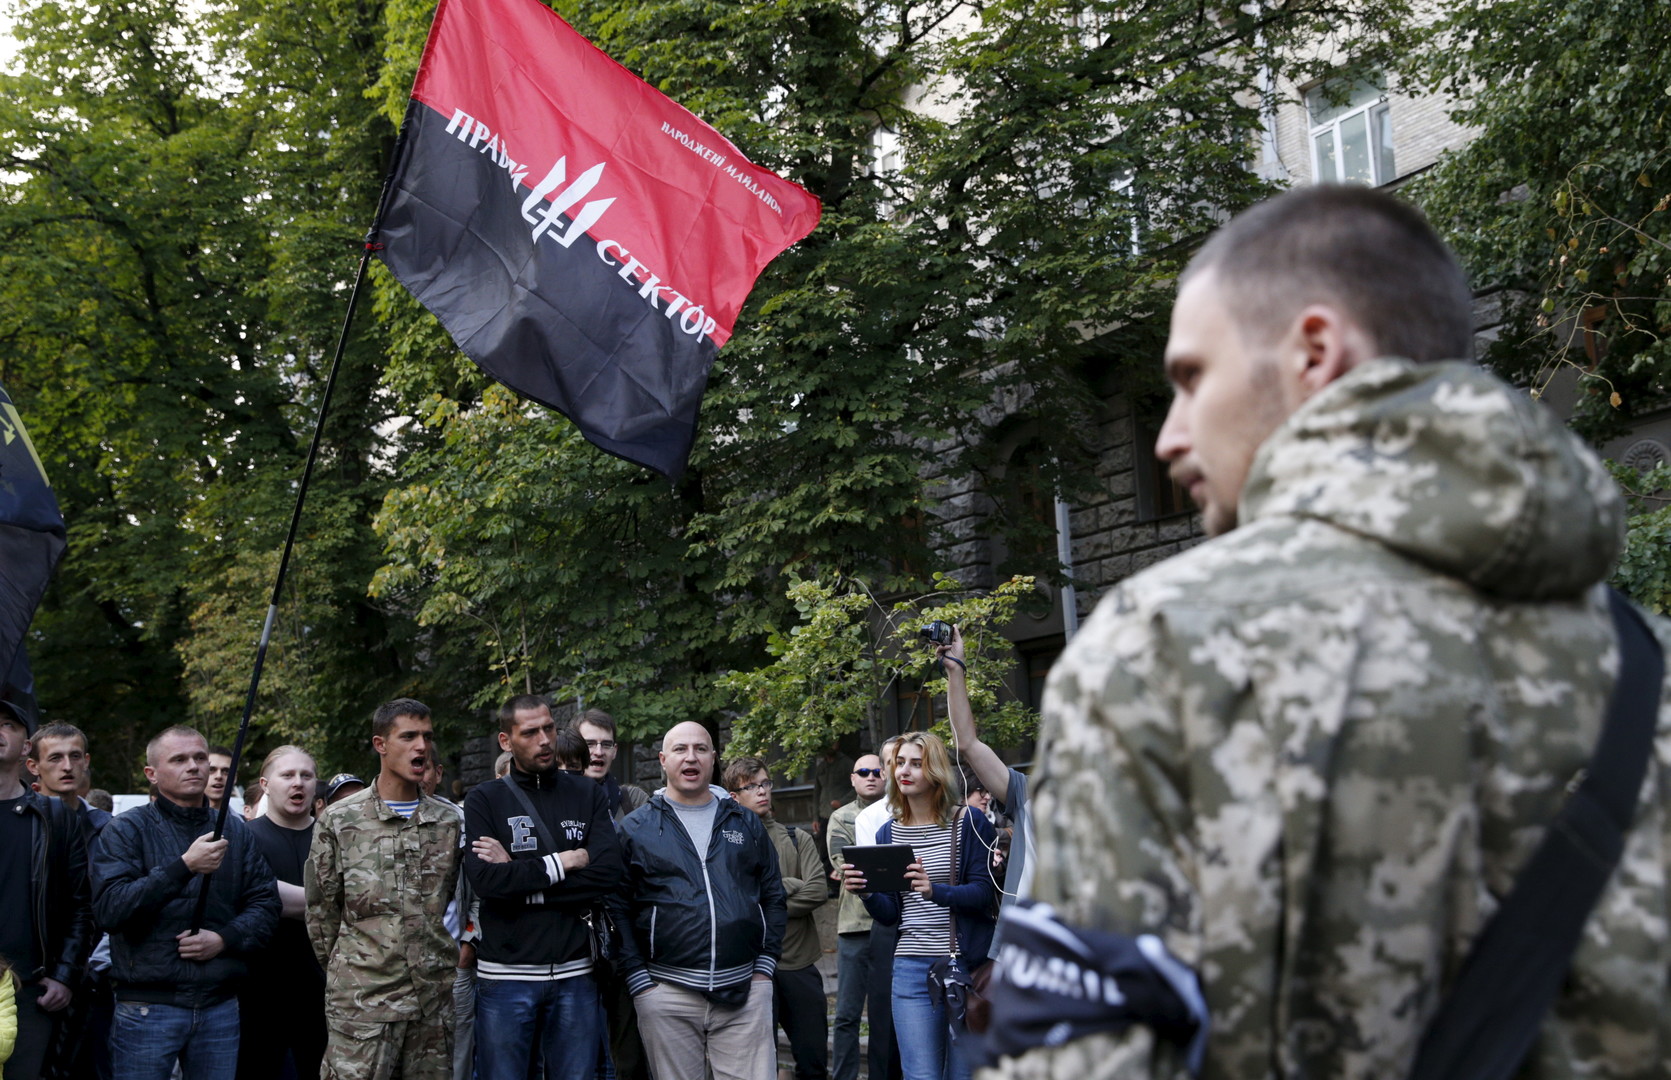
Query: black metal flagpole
[284,565]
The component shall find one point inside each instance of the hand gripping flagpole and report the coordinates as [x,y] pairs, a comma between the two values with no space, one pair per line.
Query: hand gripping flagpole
[284,565]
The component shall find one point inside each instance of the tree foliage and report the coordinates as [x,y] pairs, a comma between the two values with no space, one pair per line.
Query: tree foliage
[1561,197]
[836,666]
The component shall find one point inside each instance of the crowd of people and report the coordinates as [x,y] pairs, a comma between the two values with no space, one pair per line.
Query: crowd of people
[559,924]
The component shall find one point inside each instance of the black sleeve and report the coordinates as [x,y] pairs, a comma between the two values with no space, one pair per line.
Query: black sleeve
[257,901]
[124,887]
[629,962]
[605,869]
[69,833]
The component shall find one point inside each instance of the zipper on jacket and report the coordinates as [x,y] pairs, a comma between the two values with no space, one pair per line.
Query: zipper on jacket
[653,911]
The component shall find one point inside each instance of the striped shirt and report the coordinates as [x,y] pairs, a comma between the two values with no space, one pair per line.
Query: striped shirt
[405,809]
[925,928]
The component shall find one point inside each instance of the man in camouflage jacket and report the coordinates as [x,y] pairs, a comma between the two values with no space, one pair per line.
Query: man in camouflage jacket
[383,865]
[1312,753]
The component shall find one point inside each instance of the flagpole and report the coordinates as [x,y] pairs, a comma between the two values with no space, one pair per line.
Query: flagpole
[284,565]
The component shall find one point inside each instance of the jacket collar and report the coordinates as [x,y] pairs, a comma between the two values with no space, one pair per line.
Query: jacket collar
[186,815]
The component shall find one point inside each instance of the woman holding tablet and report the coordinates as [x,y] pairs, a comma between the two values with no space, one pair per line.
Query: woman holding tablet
[923,801]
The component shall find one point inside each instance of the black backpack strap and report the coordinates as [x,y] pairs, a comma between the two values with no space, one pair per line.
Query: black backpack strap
[1491,1017]
[533,815]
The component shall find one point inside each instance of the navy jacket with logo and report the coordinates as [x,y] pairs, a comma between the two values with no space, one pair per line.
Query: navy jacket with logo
[705,922]
[532,917]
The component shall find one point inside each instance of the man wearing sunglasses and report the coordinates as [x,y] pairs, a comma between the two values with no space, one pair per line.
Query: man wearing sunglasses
[853,948]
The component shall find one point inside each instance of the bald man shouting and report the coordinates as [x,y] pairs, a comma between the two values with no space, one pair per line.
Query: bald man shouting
[701,922]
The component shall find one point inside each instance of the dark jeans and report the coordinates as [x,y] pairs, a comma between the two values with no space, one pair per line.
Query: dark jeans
[520,1024]
[627,1060]
[852,988]
[148,1039]
[798,997]
[884,1048]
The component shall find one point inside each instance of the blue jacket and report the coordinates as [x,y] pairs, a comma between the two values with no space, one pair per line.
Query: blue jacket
[706,922]
[973,902]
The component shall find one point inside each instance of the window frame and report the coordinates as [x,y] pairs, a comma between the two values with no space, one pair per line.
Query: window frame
[1373,110]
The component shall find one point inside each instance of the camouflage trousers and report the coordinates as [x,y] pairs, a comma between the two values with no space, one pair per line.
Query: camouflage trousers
[417,1049]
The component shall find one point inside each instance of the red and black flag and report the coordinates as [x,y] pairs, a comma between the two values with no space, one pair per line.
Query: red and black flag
[31,543]
[584,239]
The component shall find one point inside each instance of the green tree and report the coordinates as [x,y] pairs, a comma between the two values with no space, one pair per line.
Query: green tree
[833,669]
[188,185]
[1561,197]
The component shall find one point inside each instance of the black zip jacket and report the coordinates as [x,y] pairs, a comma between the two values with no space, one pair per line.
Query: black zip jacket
[143,895]
[702,922]
[58,888]
[532,912]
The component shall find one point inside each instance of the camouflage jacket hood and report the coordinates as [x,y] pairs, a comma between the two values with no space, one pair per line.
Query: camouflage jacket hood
[1449,466]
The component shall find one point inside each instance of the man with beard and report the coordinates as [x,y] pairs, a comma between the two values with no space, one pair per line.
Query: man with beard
[543,853]
[282,1006]
[1310,757]
[381,871]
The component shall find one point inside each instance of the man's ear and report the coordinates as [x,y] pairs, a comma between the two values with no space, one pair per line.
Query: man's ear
[1325,347]
[379,745]
[150,774]
[504,741]
[34,766]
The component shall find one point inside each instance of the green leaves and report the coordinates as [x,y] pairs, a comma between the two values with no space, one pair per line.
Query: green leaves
[1564,222]
[848,653]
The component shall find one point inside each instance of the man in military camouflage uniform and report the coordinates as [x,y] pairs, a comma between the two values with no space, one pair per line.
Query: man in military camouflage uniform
[382,868]
[1312,753]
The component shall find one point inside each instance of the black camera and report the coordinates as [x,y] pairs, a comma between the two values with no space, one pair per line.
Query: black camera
[937,633]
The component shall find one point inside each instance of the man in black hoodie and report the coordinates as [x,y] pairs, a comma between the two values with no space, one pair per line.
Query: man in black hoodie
[556,856]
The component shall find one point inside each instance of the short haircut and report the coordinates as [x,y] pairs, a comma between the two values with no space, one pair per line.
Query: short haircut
[520,703]
[99,799]
[937,770]
[56,731]
[503,764]
[223,751]
[278,752]
[570,750]
[178,730]
[384,718]
[742,771]
[1368,252]
[597,718]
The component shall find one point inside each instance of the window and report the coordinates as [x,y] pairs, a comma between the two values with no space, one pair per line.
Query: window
[1351,133]
[1158,495]
[887,153]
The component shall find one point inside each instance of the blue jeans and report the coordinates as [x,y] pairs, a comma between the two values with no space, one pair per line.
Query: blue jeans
[146,1039]
[520,1024]
[926,1047]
